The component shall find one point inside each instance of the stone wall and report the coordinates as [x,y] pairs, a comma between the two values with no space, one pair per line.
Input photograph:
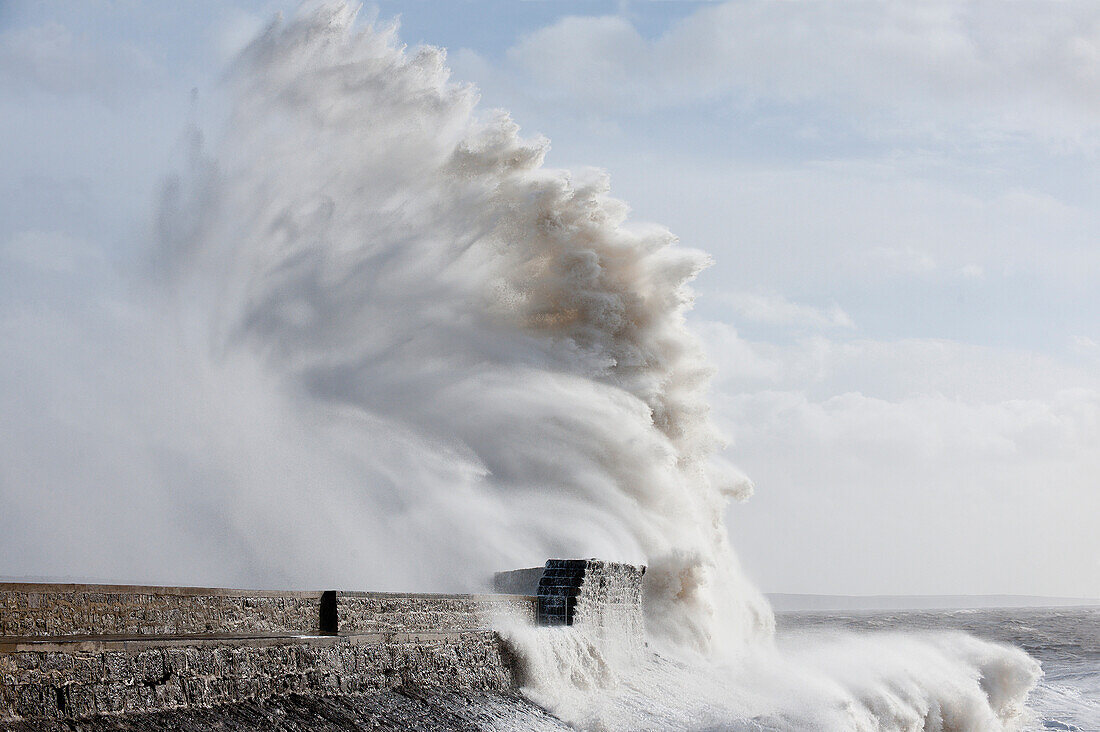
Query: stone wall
[434,709]
[81,678]
[82,651]
[518,581]
[43,610]
[591,593]
[371,612]
[34,609]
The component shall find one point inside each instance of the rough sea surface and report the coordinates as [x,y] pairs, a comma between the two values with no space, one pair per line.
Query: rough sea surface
[1066,641]
[648,693]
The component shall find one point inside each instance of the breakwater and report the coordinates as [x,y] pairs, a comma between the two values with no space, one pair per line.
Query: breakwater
[95,652]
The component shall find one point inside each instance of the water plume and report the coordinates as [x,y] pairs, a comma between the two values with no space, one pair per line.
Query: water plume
[393,256]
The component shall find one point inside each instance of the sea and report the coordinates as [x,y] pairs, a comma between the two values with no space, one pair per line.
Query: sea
[1064,640]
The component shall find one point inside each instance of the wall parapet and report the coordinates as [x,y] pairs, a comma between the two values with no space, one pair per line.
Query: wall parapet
[42,609]
[71,651]
[74,679]
[372,612]
[45,610]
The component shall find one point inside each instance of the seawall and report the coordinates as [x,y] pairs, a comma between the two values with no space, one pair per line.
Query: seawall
[94,652]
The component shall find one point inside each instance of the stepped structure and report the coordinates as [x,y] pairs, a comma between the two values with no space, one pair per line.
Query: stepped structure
[137,657]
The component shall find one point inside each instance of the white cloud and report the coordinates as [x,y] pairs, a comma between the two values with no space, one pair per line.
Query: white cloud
[926,427]
[830,228]
[901,260]
[772,309]
[1036,69]
[935,198]
[1085,346]
[946,453]
[887,369]
[736,358]
[925,494]
[972,272]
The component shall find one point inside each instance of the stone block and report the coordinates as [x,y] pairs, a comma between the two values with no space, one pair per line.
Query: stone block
[582,591]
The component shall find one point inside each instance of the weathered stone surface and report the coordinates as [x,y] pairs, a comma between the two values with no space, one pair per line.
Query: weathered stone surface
[591,593]
[370,612]
[430,710]
[90,657]
[33,609]
[41,610]
[518,581]
[80,679]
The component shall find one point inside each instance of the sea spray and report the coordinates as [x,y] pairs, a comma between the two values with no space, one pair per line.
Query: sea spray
[386,252]
[931,682]
[383,346]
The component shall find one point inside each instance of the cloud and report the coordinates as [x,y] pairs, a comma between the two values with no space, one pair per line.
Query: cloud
[1085,346]
[925,494]
[736,357]
[889,369]
[917,65]
[975,466]
[972,272]
[933,197]
[927,427]
[839,227]
[776,310]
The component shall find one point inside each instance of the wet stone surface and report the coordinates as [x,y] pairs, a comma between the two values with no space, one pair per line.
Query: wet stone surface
[592,593]
[428,709]
[145,676]
[113,657]
[60,610]
[371,612]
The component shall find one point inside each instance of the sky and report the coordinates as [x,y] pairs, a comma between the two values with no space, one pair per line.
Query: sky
[901,200]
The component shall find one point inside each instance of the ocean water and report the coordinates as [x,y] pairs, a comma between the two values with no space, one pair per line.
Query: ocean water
[915,670]
[1065,641]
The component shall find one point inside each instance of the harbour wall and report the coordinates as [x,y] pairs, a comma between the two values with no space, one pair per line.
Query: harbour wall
[71,652]
[47,610]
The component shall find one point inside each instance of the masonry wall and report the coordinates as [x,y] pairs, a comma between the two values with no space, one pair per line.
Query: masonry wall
[518,581]
[78,679]
[80,651]
[38,609]
[611,599]
[592,594]
[372,612]
[44,610]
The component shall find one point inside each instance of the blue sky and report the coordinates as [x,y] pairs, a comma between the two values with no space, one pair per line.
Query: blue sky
[901,201]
